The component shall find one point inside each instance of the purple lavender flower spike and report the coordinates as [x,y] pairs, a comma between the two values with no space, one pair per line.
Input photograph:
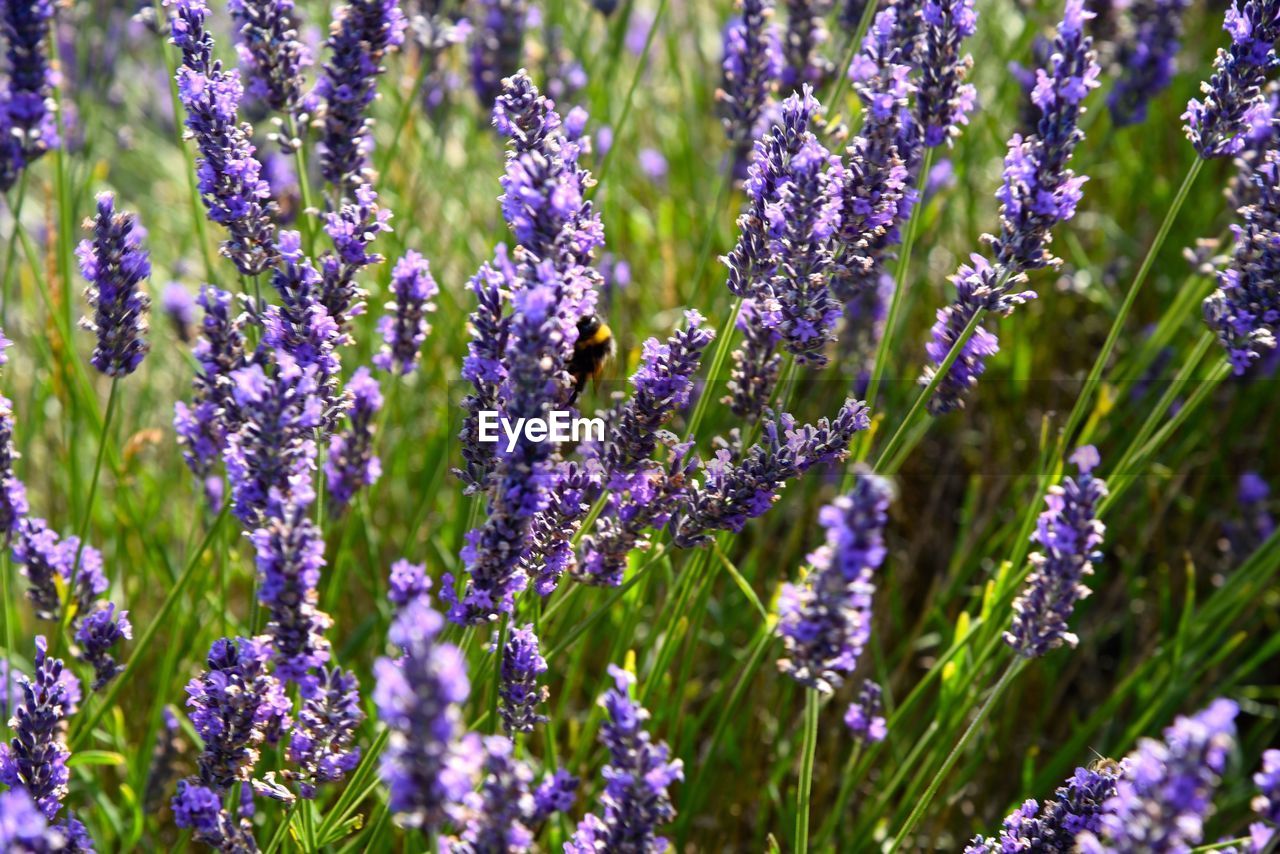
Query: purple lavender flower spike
[179,307]
[864,717]
[35,759]
[735,489]
[362,34]
[825,622]
[166,760]
[98,633]
[23,828]
[497,46]
[1146,58]
[290,556]
[1069,534]
[13,493]
[554,794]
[635,800]
[1076,808]
[230,182]
[47,561]
[522,665]
[320,744]
[802,43]
[756,363]
[550,554]
[1165,789]
[199,808]
[408,581]
[235,706]
[352,228]
[1254,523]
[425,766]
[484,369]
[1267,801]
[943,101]
[114,264]
[27,108]
[1244,311]
[352,464]
[502,815]
[751,67]
[404,328]
[1220,125]
[272,54]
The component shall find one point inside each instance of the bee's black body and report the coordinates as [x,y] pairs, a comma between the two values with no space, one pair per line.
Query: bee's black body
[591,352]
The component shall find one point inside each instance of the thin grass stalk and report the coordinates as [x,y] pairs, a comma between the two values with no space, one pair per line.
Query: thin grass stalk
[804,792]
[15,209]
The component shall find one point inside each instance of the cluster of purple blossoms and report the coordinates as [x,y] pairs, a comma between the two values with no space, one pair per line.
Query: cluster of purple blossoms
[943,101]
[235,706]
[522,665]
[166,764]
[179,306]
[864,717]
[199,808]
[635,800]
[1039,191]
[229,176]
[1165,788]
[289,553]
[1234,101]
[426,765]
[1255,523]
[404,327]
[1267,801]
[802,43]
[114,264]
[504,813]
[751,67]
[272,54]
[825,621]
[483,367]
[1076,808]
[35,759]
[320,744]
[351,463]
[1145,57]
[362,34]
[497,46]
[13,493]
[735,488]
[1069,532]
[352,228]
[98,633]
[407,582]
[272,452]
[25,830]
[1244,310]
[49,562]
[27,126]
[641,492]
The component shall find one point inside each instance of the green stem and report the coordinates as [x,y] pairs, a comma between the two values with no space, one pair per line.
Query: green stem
[15,208]
[918,811]
[884,347]
[9,639]
[713,372]
[855,44]
[812,703]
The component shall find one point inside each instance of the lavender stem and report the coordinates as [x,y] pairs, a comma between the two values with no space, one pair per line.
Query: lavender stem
[812,701]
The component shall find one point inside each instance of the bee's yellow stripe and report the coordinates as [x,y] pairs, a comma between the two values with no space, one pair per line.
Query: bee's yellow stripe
[600,336]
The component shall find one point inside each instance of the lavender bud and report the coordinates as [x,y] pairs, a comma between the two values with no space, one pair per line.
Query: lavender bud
[1070,533]
[352,228]
[522,664]
[863,717]
[352,463]
[408,581]
[115,265]
[35,759]
[320,744]
[943,102]
[199,808]
[98,633]
[404,328]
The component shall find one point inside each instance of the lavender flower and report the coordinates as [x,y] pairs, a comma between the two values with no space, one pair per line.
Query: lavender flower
[497,46]
[1165,789]
[1244,311]
[522,664]
[352,463]
[751,66]
[1255,524]
[1039,191]
[1076,808]
[863,717]
[13,494]
[825,622]
[98,633]
[555,794]
[424,765]
[180,307]
[235,706]
[362,34]
[290,555]
[115,265]
[484,369]
[166,760]
[1145,57]
[943,102]
[47,562]
[1070,533]
[502,814]
[35,759]
[408,581]
[734,490]
[405,326]
[352,228]
[199,808]
[230,182]
[23,828]
[1267,802]
[320,744]
[635,799]
[27,108]
[1233,102]
[271,52]
[802,44]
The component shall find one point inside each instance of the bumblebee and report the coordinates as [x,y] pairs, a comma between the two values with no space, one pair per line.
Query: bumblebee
[591,353]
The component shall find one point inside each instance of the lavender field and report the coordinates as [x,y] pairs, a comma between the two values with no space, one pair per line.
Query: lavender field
[921,363]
